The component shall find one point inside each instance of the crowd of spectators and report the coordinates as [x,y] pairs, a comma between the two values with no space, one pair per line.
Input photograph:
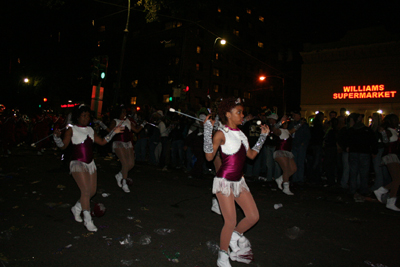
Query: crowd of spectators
[330,151]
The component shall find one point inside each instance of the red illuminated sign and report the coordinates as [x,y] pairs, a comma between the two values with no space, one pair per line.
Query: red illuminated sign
[69,105]
[364,91]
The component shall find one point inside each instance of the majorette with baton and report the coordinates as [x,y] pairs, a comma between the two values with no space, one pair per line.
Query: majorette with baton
[82,166]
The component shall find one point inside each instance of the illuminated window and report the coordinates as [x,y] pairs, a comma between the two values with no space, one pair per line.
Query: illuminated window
[261,18]
[236,32]
[248,11]
[199,67]
[179,24]
[237,18]
[134,83]
[261,45]
[247,95]
[216,72]
[198,84]
[198,49]
[165,98]
[173,24]
[217,55]
[216,88]
[133,100]
[219,10]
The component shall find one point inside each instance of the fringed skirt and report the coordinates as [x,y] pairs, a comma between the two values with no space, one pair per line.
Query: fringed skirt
[283,153]
[79,166]
[226,187]
[390,158]
[119,144]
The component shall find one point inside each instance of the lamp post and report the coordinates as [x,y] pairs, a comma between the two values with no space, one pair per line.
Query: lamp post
[222,42]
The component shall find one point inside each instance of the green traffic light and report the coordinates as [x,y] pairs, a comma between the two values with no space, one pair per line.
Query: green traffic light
[103,75]
[170,98]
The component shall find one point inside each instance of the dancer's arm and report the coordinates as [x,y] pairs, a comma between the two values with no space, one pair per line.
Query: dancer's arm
[211,143]
[253,152]
[62,144]
[102,141]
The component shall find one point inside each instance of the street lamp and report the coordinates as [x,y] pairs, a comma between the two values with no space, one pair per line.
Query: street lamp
[26,80]
[222,42]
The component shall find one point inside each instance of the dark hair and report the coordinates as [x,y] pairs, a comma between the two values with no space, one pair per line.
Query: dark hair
[116,111]
[77,111]
[333,112]
[227,105]
[390,120]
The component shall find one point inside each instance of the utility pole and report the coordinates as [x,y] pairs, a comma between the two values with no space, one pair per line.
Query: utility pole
[121,62]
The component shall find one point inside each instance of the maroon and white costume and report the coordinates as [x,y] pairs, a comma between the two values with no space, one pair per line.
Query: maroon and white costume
[284,145]
[391,149]
[233,155]
[82,151]
[123,140]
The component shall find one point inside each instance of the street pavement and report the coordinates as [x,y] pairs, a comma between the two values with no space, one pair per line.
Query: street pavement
[315,227]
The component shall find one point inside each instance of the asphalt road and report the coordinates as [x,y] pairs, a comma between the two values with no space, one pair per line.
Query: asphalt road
[315,227]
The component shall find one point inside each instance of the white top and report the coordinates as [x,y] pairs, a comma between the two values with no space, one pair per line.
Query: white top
[80,134]
[395,135]
[126,123]
[233,141]
[284,134]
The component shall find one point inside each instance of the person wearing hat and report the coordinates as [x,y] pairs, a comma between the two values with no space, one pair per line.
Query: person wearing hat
[299,146]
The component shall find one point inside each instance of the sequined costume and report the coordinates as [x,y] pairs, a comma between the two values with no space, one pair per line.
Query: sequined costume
[391,149]
[123,140]
[284,145]
[82,150]
[233,155]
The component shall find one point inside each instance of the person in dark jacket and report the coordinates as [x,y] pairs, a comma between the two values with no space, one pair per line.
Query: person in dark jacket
[315,150]
[361,143]
[330,151]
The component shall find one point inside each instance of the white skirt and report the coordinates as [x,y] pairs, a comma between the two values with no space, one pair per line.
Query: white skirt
[119,144]
[283,153]
[225,186]
[390,158]
[79,166]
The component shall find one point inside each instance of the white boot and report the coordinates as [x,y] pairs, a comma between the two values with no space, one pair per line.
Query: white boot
[233,244]
[76,210]
[223,259]
[118,177]
[379,192]
[391,204]
[215,206]
[286,189]
[88,221]
[125,186]
[279,181]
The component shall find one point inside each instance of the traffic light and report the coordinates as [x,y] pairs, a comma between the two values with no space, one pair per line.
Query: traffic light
[170,98]
[103,65]
[99,69]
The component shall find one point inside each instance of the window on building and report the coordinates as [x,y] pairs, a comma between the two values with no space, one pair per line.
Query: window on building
[177,60]
[217,56]
[237,18]
[199,66]
[216,72]
[248,11]
[247,95]
[216,88]
[261,18]
[165,98]
[236,32]
[260,44]
[219,10]
[173,24]
[198,49]
[198,84]
[133,100]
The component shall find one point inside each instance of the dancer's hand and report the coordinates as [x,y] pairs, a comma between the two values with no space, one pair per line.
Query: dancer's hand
[119,129]
[209,118]
[57,132]
[264,129]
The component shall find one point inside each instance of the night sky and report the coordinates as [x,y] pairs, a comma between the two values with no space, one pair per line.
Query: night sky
[30,34]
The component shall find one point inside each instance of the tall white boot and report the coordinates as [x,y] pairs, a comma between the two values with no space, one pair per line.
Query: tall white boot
[223,259]
[125,186]
[379,192]
[244,254]
[76,210]
[391,204]
[88,221]
[279,182]
[233,244]
[286,189]
[119,177]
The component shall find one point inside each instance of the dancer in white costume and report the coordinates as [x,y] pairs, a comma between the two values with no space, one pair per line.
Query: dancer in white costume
[82,166]
[229,184]
[122,145]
